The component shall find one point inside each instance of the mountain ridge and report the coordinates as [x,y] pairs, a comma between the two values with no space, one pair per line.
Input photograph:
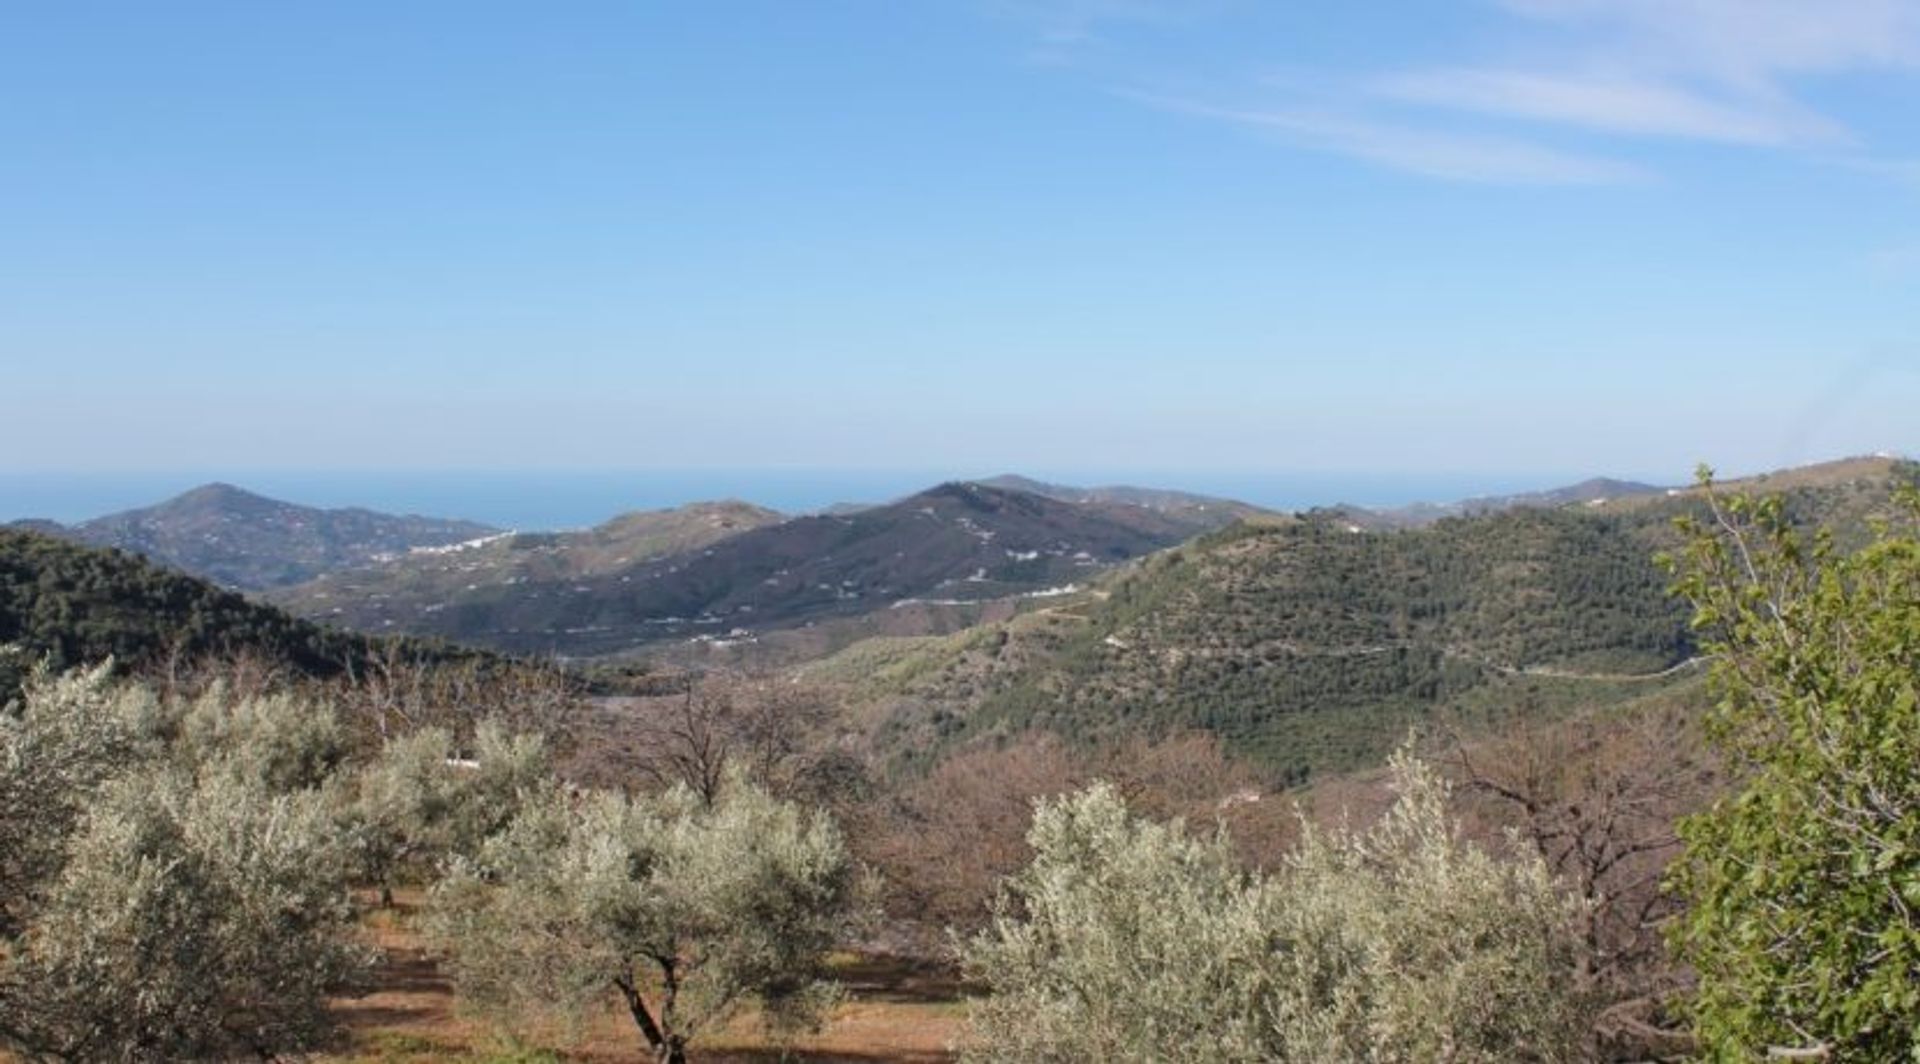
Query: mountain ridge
[1163,499]
[245,540]
[955,543]
[1591,491]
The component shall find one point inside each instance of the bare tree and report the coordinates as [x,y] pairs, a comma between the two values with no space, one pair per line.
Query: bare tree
[1597,799]
[773,732]
[944,841]
[393,694]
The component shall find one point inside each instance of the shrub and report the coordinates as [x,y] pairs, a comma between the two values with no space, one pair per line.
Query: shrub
[1803,885]
[1127,940]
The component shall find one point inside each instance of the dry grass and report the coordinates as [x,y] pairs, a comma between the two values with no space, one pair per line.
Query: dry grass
[895,1011]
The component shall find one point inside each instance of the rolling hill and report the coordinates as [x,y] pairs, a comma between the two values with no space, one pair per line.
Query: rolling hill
[1204,512]
[247,541]
[424,581]
[1311,646]
[72,604]
[1595,491]
[958,544]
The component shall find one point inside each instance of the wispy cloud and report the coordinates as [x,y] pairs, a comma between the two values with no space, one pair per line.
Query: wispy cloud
[1904,171]
[1479,158]
[1714,70]
[1741,41]
[1620,103]
[1599,75]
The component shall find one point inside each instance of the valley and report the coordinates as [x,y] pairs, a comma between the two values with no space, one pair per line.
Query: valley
[977,612]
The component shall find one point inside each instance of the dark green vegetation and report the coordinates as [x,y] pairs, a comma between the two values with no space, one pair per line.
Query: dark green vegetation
[1803,885]
[957,543]
[1309,647]
[243,540]
[72,605]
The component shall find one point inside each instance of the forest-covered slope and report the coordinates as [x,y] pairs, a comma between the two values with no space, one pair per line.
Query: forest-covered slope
[1310,646]
[72,604]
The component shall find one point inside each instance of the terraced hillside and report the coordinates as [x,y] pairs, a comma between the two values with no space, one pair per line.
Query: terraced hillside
[956,545]
[1310,646]
[408,590]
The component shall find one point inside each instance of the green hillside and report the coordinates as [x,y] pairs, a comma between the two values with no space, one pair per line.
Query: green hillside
[1310,646]
[73,604]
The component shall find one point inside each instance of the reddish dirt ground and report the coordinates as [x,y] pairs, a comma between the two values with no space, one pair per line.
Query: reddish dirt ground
[895,1011]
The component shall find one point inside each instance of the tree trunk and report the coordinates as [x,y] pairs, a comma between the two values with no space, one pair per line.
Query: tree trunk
[668,1052]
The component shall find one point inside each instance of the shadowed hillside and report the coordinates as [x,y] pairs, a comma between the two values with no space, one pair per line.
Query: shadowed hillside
[956,544]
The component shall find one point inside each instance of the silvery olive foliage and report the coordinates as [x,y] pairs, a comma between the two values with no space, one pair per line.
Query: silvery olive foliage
[177,880]
[1126,940]
[683,910]
[423,799]
[277,738]
[198,918]
[62,742]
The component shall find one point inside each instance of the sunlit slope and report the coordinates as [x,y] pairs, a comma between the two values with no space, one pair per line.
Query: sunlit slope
[1310,646]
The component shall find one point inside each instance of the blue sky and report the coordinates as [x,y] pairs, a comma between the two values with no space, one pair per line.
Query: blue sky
[1533,235]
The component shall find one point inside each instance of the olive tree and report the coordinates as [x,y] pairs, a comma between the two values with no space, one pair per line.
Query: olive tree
[67,737]
[1127,940]
[1803,885]
[1405,942]
[195,918]
[420,801]
[278,738]
[687,911]
[1123,940]
[167,900]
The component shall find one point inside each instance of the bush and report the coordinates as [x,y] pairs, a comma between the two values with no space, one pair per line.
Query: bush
[1804,884]
[68,736]
[1126,940]
[166,903]
[419,803]
[196,919]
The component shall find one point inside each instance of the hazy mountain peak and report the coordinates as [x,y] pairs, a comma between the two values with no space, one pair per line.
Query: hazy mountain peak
[243,539]
[217,495]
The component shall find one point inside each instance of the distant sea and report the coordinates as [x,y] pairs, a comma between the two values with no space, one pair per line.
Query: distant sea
[530,500]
